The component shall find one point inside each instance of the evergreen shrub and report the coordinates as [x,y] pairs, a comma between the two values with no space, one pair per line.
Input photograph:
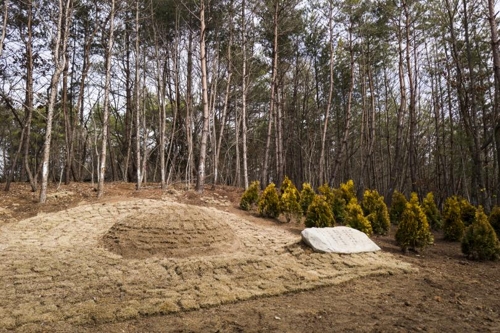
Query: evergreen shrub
[326,191]
[338,205]
[347,191]
[431,211]
[494,219]
[413,229]
[480,241]
[290,200]
[306,197]
[319,214]
[250,196]
[356,219]
[453,226]
[269,202]
[376,212]
[467,211]
[398,205]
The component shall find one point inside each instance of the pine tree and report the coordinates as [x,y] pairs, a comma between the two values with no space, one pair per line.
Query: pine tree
[319,214]
[480,241]
[376,212]
[413,230]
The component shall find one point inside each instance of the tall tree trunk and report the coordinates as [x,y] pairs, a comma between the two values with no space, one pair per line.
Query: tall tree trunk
[137,100]
[107,88]
[200,181]
[60,44]
[496,71]
[477,185]
[322,166]
[218,139]
[4,24]
[10,175]
[128,173]
[272,102]
[412,105]
[80,136]
[189,110]
[28,101]
[162,114]
[68,128]
[175,101]
[452,186]
[339,159]
[244,93]
[397,174]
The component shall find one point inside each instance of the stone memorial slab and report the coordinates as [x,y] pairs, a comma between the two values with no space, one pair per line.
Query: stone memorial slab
[338,240]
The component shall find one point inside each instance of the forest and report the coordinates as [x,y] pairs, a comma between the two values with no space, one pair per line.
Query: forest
[394,94]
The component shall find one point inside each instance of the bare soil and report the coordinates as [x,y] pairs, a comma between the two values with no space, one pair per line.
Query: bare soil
[177,261]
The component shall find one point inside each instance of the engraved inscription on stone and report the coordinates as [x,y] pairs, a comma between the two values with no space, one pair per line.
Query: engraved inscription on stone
[338,240]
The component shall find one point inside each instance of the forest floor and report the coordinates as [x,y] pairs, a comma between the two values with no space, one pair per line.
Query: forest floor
[177,261]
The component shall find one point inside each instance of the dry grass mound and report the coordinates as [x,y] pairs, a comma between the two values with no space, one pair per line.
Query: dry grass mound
[170,233]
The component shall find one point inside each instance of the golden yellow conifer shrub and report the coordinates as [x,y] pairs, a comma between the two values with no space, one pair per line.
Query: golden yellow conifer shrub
[250,196]
[480,241]
[269,202]
[376,212]
[413,229]
[306,197]
[319,214]
[453,226]
[356,219]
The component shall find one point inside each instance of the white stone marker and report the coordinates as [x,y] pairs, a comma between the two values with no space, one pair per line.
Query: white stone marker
[338,240]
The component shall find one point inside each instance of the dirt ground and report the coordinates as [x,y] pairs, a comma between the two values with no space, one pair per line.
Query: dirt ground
[176,261]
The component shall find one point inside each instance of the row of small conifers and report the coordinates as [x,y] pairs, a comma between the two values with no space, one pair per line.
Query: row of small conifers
[326,207]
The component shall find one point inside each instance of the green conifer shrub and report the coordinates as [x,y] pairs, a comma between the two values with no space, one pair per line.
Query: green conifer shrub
[339,205]
[480,241]
[494,219]
[269,202]
[413,229]
[467,211]
[285,184]
[431,211]
[347,191]
[453,227]
[356,219]
[306,197]
[326,191]
[319,214]
[398,206]
[290,200]
[250,196]
[376,212]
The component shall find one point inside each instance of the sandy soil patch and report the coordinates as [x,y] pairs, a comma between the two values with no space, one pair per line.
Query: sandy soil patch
[109,262]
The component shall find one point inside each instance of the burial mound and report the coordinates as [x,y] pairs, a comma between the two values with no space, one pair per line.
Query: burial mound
[178,232]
